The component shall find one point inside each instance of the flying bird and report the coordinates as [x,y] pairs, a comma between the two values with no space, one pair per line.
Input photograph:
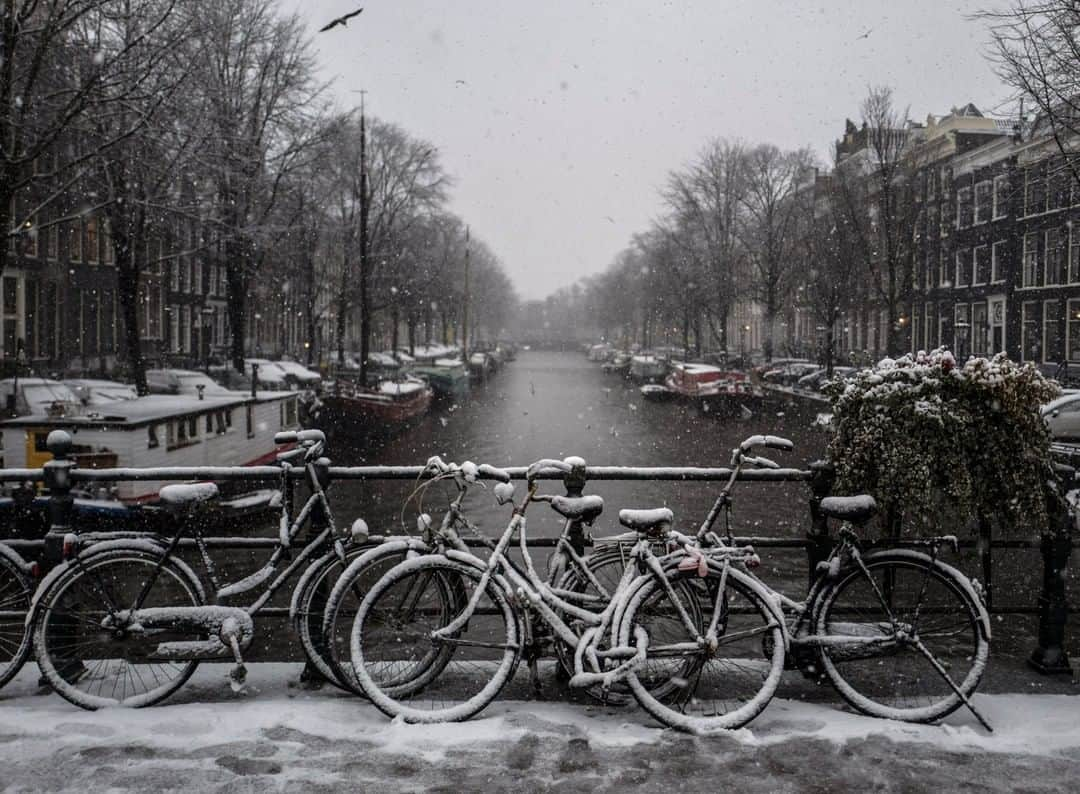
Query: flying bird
[342,20]
[459,82]
[866,35]
[608,217]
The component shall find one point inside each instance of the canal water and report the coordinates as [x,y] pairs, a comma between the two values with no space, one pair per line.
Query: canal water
[557,404]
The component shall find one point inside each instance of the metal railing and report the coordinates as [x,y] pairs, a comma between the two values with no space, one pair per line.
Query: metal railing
[61,476]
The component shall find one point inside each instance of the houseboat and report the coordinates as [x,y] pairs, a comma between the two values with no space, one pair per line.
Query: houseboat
[647,368]
[713,388]
[353,410]
[159,430]
[448,377]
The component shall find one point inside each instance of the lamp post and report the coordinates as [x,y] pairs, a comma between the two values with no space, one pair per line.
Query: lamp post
[962,329]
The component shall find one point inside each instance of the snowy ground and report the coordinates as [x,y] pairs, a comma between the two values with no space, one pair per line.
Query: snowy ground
[277,737]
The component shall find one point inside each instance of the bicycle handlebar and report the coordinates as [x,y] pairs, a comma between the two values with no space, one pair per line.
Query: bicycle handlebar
[299,436]
[770,442]
[546,466]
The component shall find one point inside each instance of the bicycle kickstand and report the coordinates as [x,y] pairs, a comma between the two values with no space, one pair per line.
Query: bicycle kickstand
[230,631]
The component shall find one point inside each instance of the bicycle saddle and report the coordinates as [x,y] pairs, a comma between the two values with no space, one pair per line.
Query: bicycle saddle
[649,521]
[856,509]
[578,508]
[188,493]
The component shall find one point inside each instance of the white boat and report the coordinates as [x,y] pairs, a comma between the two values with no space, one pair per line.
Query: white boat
[647,368]
[224,429]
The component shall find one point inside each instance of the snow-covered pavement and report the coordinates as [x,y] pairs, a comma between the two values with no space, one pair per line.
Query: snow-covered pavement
[275,736]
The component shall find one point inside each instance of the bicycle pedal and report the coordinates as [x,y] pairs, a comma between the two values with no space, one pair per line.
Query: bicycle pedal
[237,678]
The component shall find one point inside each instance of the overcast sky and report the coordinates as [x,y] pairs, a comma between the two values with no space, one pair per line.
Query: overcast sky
[559,119]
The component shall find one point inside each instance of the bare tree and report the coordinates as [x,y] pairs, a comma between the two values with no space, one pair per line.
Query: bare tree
[767,230]
[1035,49]
[260,102]
[141,136]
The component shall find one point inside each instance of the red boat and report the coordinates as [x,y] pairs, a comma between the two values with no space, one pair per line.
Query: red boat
[393,404]
[706,383]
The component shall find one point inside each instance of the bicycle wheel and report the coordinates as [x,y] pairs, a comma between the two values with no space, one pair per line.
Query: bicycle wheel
[891,676]
[94,666]
[343,603]
[710,689]
[311,602]
[16,592]
[396,659]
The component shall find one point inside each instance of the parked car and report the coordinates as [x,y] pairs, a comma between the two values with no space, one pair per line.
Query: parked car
[1062,416]
[297,373]
[816,379]
[788,374]
[228,377]
[270,376]
[182,381]
[100,393]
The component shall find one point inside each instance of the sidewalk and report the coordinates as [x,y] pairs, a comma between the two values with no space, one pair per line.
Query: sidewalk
[276,737]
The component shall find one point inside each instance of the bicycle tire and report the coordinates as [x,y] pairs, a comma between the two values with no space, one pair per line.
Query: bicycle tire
[941,590]
[16,594]
[309,613]
[344,600]
[747,624]
[490,675]
[62,654]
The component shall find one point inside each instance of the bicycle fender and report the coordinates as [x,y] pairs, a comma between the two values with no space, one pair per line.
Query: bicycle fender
[16,559]
[309,573]
[143,546]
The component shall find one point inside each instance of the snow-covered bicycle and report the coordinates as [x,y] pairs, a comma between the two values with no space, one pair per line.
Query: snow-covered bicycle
[579,578]
[127,621]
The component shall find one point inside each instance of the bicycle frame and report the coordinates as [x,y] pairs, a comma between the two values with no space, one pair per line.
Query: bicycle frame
[545,601]
[288,531]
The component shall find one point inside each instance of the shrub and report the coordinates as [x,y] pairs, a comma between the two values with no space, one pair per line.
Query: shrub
[940,445]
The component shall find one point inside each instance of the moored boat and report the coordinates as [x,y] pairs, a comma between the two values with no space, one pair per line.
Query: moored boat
[647,368]
[448,377]
[391,405]
[231,429]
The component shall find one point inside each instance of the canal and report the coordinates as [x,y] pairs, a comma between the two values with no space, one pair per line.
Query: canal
[557,404]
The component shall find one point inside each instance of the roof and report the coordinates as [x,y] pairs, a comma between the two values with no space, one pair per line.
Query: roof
[147,410]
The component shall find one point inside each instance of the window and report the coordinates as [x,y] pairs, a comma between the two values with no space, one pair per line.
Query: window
[174,328]
[981,262]
[963,207]
[223,283]
[1053,343]
[185,328]
[220,421]
[1057,185]
[52,240]
[1034,195]
[963,267]
[30,235]
[108,252]
[962,325]
[92,240]
[997,262]
[1031,260]
[930,265]
[1072,338]
[916,329]
[1074,255]
[75,241]
[174,276]
[185,274]
[943,267]
[980,330]
[1054,259]
[1030,344]
[151,437]
[944,332]
[1001,196]
[983,201]
[928,327]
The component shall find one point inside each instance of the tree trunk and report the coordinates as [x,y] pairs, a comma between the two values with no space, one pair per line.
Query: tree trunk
[127,291]
[237,256]
[395,320]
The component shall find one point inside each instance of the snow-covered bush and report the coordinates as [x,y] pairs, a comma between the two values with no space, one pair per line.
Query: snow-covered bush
[941,444]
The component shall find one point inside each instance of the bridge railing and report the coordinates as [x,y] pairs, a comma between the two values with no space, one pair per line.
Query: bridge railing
[61,476]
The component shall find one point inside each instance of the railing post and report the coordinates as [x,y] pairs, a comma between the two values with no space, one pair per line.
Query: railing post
[818,542]
[575,485]
[58,480]
[1049,656]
